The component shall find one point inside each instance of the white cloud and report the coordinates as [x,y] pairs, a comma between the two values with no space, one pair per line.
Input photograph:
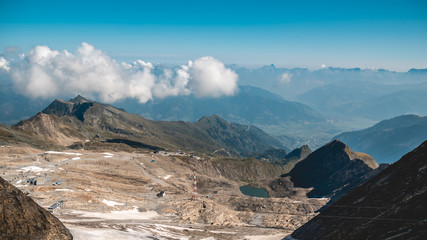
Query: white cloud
[323,66]
[210,78]
[285,78]
[4,64]
[88,71]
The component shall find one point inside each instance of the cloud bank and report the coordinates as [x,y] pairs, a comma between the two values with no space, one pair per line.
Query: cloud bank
[4,64]
[46,73]
[285,78]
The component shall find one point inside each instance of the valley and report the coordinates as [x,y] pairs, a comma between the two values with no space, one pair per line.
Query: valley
[114,194]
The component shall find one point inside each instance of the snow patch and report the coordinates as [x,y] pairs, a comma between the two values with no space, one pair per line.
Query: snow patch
[107,153]
[64,190]
[75,158]
[80,233]
[66,153]
[133,214]
[33,169]
[108,156]
[167,177]
[177,228]
[111,203]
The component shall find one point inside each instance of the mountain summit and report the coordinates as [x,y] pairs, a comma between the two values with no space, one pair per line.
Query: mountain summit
[332,169]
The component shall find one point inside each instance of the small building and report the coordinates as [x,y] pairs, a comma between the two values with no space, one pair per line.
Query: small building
[32,181]
[57,183]
[56,205]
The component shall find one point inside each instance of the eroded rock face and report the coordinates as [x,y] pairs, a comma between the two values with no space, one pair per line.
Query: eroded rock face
[22,218]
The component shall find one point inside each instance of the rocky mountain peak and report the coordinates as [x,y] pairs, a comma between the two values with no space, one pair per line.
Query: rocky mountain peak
[213,119]
[299,153]
[79,99]
[330,167]
[75,107]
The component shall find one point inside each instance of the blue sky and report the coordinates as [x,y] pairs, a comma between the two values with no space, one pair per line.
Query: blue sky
[380,34]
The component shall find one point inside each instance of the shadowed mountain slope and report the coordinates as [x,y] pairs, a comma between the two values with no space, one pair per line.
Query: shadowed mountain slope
[391,205]
[332,170]
[22,218]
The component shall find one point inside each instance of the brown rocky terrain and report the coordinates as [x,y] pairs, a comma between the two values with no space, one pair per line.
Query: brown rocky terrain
[118,174]
[392,205]
[114,194]
[22,218]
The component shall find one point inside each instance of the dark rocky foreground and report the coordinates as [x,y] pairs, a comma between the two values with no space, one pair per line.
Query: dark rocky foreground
[22,218]
[392,205]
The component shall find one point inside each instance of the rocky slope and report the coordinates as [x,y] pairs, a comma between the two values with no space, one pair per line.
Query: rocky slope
[392,205]
[22,218]
[12,136]
[238,137]
[81,120]
[295,156]
[332,169]
[388,140]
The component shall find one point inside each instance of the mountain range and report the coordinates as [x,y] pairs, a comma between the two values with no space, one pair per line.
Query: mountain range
[370,100]
[87,122]
[293,82]
[319,103]
[391,205]
[388,140]
[251,105]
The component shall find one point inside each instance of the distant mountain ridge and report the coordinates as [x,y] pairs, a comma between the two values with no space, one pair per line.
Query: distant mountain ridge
[388,140]
[371,100]
[250,105]
[79,119]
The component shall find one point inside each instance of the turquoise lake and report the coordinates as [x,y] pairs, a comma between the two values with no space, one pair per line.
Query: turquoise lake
[254,192]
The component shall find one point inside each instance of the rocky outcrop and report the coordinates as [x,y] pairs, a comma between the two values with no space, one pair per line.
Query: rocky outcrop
[22,218]
[274,155]
[297,154]
[295,157]
[238,138]
[392,205]
[332,169]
